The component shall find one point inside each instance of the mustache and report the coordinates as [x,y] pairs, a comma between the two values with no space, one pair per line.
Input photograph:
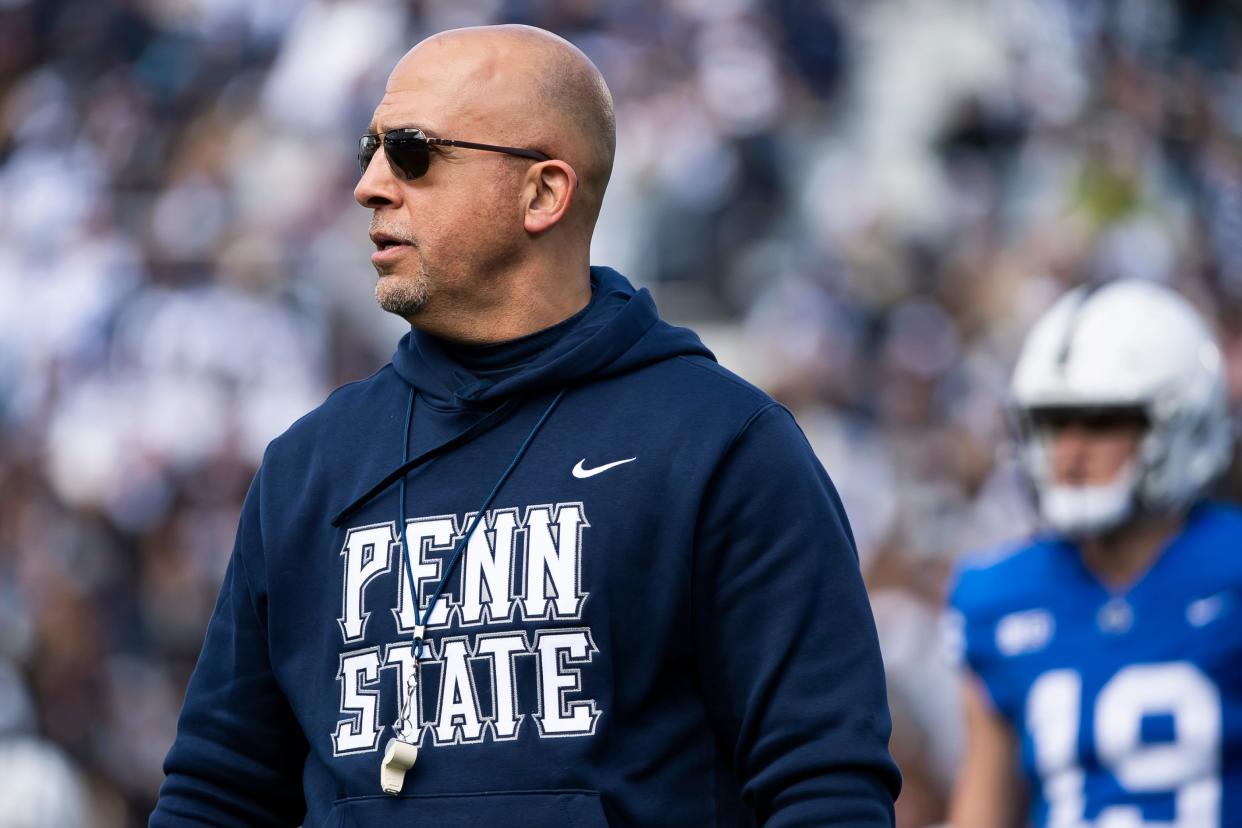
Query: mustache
[389,229]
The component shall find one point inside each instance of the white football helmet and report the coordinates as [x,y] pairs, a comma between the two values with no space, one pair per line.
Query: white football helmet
[1126,346]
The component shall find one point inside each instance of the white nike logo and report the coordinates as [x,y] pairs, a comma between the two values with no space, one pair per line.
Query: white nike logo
[1206,610]
[581,472]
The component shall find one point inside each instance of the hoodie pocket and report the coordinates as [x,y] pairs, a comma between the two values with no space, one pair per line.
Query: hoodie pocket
[510,809]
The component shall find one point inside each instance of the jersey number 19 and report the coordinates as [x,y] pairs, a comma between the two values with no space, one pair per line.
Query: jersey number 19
[1186,766]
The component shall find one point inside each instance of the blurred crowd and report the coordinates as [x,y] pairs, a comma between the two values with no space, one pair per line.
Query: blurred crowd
[863,206]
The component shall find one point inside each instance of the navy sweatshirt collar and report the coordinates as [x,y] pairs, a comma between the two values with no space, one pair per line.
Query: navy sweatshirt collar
[498,360]
[618,332]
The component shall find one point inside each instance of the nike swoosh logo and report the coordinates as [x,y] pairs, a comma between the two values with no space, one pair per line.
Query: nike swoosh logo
[581,472]
[1206,610]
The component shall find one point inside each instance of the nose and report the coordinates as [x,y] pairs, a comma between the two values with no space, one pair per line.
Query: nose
[1072,435]
[1069,444]
[378,186]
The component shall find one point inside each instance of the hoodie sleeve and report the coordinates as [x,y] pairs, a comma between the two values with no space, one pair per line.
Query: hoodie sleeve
[788,650]
[238,755]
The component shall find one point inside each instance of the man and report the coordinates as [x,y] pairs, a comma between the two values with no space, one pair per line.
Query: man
[1105,657]
[625,593]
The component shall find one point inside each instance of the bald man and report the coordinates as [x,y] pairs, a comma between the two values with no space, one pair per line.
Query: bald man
[552,565]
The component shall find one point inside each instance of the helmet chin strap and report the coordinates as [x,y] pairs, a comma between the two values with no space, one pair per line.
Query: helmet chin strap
[1089,510]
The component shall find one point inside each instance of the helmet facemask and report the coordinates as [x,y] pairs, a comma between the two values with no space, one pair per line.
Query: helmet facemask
[1083,509]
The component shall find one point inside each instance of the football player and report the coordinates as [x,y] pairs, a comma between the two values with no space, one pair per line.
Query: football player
[1104,657]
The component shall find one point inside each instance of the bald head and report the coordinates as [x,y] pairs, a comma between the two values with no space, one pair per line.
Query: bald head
[485,243]
[523,86]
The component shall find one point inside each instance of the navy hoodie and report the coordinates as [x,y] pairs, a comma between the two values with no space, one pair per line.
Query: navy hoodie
[658,619]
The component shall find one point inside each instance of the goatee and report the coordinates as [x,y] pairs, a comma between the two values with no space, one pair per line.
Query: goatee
[402,295]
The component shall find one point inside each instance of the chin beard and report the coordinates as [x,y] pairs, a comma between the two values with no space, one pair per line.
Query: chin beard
[403,296]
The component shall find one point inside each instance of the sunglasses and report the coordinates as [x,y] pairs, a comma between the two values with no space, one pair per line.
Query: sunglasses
[409,151]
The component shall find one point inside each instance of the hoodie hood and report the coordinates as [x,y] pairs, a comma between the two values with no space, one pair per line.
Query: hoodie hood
[620,331]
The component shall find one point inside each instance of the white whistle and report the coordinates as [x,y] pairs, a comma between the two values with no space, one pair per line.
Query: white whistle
[399,757]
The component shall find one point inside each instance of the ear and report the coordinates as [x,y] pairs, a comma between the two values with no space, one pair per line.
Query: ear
[548,193]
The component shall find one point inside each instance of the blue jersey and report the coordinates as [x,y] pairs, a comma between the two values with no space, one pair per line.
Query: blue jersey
[1127,703]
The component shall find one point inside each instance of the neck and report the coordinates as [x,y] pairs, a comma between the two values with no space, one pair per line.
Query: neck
[1120,556]
[519,302]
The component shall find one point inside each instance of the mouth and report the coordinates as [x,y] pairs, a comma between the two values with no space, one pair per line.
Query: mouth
[387,241]
[387,246]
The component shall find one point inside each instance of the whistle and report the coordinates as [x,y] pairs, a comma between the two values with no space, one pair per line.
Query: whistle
[399,757]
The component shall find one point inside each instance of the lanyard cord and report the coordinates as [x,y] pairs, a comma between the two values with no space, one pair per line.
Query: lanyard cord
[487,421]
[405,454]
[420,626]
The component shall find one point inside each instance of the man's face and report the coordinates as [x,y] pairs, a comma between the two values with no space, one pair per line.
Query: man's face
[440,237]
[1091,449]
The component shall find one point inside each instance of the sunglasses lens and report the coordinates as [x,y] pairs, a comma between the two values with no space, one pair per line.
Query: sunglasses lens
[407,155]
[367,146]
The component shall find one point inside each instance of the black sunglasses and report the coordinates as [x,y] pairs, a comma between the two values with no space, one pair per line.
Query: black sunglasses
[409,150]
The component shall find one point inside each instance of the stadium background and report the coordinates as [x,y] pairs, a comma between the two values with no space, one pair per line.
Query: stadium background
[862,206]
